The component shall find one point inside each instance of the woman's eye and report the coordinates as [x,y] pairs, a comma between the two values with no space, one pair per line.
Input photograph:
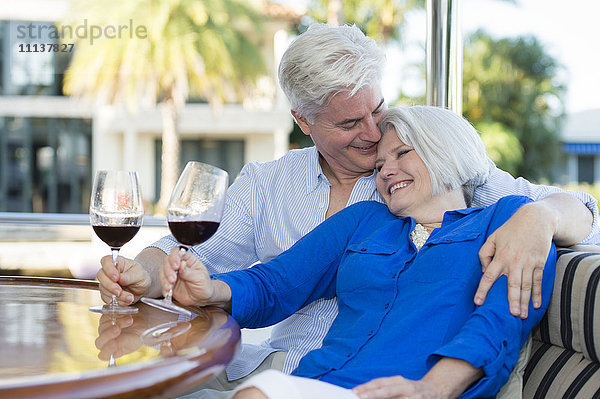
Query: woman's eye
[378,168]
[403,152]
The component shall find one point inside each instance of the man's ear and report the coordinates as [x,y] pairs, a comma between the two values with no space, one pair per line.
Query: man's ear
[301,121]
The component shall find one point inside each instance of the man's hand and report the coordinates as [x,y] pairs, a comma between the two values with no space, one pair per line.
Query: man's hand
[129,281]
[116,336]
[520,247]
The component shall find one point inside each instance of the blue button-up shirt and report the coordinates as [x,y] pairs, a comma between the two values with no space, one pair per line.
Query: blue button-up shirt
[272,204]
[399,310]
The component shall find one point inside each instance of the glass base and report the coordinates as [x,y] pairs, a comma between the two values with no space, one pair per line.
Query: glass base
[110,309]
[164,332]
[167,306]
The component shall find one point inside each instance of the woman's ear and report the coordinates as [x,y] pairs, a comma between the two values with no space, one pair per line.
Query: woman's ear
[302,122]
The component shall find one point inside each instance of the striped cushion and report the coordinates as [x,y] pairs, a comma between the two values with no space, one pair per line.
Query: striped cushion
[566,351]
[554,372]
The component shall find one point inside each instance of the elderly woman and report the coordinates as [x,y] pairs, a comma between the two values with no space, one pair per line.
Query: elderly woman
[404,277]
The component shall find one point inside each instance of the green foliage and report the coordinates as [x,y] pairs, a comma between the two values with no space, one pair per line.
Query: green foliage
[502,146]
[513,82]
[197,48]
[380,19]
[593,189]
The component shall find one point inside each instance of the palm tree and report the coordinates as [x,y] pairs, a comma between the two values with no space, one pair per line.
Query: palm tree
[171,50]
[380,19]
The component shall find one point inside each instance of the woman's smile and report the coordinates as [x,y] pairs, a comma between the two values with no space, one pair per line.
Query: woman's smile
[399,185]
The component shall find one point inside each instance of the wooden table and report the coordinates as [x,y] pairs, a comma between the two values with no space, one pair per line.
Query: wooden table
[52,346]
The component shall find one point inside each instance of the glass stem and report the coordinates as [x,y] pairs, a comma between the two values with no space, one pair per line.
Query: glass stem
[115,255]
[169,296]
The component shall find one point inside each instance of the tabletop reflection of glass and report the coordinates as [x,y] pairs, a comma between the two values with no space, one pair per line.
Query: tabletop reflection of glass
[46,329]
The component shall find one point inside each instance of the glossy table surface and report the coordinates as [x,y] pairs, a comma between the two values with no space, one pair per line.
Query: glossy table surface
[52,346]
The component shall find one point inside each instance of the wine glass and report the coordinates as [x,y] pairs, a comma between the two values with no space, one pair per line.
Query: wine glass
[116,213]
[194,214]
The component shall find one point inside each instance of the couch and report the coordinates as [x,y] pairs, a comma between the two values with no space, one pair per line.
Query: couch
[564,361]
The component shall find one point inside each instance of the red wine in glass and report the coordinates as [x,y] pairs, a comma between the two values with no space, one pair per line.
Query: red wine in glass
[116,213]
[194,214]
[115,236]
[190,233]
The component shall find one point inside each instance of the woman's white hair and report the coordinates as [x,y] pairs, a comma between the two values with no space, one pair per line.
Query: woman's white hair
[447,143]
[327,60]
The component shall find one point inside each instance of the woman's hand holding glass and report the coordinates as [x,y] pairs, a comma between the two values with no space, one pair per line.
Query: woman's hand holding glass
[188,277]
[194,214]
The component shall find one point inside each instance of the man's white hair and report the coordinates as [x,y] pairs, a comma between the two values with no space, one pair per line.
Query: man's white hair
[327,60]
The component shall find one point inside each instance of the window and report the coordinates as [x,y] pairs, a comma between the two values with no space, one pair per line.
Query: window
[225,154]
[26,70]
[585,168]
[45,164]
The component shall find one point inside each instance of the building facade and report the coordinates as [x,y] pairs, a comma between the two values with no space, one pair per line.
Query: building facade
[51,144]
[581,145]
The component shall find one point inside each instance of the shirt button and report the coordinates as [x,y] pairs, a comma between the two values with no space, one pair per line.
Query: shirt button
[349,355]
[363,249]
[370,332]
[387,305]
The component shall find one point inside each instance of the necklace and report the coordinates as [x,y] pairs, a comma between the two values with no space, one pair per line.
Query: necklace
[419,236]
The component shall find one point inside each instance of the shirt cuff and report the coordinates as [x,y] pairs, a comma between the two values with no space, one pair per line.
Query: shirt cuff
[495,369]
[594,237]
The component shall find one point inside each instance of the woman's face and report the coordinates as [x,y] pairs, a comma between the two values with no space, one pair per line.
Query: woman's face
[402,178]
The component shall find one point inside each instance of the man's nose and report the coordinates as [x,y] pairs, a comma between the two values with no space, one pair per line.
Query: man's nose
[371,132]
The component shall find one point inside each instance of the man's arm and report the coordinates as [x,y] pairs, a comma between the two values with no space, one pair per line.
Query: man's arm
[519,248]
[152,260]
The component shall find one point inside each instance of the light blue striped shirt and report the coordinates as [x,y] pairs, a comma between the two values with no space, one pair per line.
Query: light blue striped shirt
[272,204]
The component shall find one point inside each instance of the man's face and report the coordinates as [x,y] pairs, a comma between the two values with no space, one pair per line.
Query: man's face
[346,132]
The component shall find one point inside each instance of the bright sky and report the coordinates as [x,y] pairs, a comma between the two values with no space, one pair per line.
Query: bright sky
[569,31]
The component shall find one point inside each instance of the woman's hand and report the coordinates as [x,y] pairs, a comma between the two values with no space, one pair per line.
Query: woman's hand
[447,379]
[192,282]
[397,388]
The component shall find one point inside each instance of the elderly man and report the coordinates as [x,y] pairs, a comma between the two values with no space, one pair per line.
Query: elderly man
[332,78]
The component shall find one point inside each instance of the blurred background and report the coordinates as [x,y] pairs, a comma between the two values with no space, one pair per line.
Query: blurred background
[148,85]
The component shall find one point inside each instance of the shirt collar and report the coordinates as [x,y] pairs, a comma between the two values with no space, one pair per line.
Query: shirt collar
[314,173]
[467,229]
[451,216]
